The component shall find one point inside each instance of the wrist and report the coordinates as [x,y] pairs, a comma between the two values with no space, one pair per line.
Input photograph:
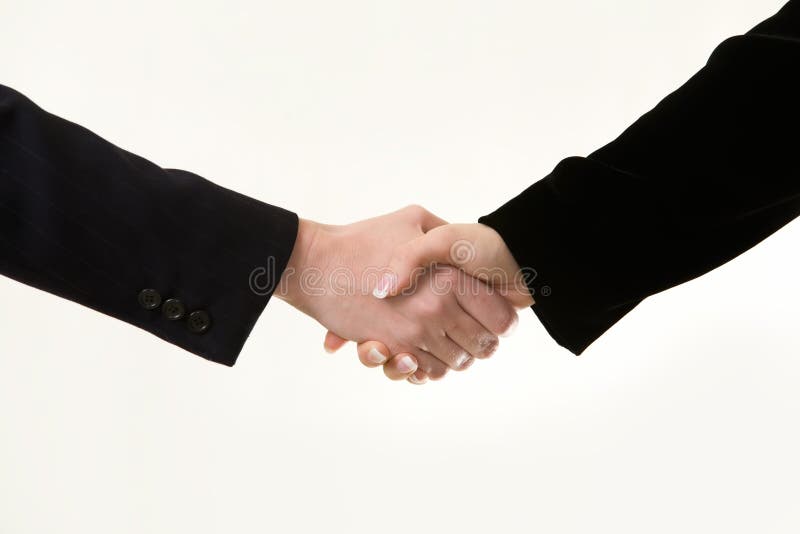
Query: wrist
[308,235]
[515,286]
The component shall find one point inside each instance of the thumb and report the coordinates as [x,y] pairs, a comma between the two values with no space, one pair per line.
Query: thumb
[411,259]
[333,342]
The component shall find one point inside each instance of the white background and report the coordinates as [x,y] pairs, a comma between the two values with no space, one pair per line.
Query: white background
[682,418]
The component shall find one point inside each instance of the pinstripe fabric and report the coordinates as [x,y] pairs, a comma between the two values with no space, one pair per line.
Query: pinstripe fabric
[90,222]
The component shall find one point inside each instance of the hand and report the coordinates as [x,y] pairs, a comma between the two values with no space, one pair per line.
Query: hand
[477,249]
[333,269]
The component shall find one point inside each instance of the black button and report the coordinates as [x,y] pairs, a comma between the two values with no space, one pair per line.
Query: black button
[173,309]
[199,322]
[149,299]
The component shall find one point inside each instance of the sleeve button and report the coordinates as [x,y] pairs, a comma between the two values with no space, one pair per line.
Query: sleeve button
[173,310]
[149,299]
[199,322]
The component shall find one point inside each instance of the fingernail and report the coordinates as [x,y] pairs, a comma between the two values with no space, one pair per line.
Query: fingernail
[375,356]
[384,284]
[463,361]
[406,364]
[414,380]
[510,329]
[488,344]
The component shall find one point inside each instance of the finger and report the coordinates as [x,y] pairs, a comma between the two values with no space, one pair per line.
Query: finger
[426,220]
[430,221]
[373,353]
[411,259]
[418,378]
[486,305]
[448,351]
[430,365]
[333,342]
[401,366]
[472,336]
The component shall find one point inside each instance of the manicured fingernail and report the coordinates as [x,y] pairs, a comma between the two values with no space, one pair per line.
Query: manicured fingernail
[376,357]
[463,361]
[384,284]
[510,329]
[488,344]
[406,364]
[414,380]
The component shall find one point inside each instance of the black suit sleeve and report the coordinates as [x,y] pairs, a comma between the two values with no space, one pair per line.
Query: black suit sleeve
[710,172]
[90,222]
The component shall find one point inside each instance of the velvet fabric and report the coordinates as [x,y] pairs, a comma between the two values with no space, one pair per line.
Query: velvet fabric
[710,172]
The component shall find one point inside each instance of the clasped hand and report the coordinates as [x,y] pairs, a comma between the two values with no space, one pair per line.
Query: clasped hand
[418,295]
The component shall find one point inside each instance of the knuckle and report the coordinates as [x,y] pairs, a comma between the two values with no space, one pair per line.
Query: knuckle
[416,332]
[402,253]
[436,307]
[429,306]
[415,210]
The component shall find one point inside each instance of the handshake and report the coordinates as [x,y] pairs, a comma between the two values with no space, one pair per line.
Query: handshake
[418,295]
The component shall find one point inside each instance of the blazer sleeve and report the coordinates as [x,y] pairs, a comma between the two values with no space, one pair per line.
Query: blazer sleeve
[162,249]
[710,172]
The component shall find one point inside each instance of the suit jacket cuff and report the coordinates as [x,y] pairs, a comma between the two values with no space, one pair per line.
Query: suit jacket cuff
[556,235]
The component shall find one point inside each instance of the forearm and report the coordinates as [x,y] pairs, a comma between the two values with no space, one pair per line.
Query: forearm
[90,222]
[707,174]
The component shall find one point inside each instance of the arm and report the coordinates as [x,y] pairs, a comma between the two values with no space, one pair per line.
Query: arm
[90,222]
[710,172]
[707,174]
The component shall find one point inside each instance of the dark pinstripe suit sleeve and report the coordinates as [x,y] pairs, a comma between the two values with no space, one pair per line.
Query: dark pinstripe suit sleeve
[95,224]
[710,172]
